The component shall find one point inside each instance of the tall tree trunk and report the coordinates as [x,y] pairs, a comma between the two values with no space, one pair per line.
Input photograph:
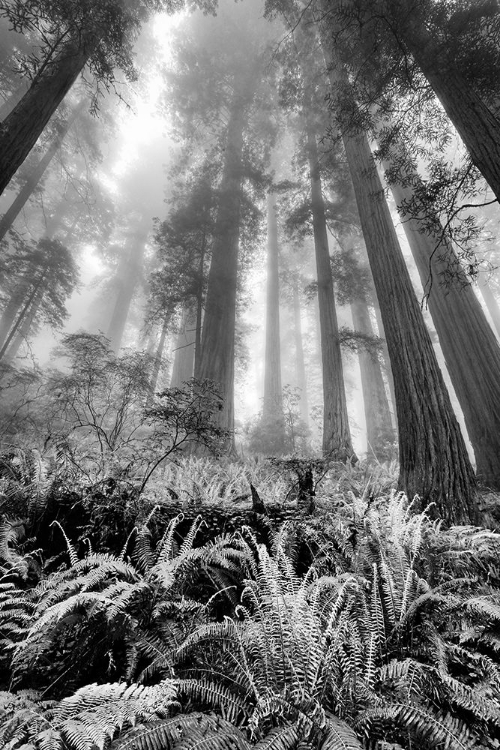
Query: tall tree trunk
[387,368]
[23,126]
[469,346]
[183,368]
[9,104]
[273,395]
[199,308]
[300,367]
[336,433]
[433,458]
[37,173]
[23,313]
[379,430]
[128,277]
[25,327]
[13,306]
[434,464]
[490,301]
[217,345]
[159,353]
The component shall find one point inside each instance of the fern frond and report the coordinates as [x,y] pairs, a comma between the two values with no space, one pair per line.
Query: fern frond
[73,556]
[338,735]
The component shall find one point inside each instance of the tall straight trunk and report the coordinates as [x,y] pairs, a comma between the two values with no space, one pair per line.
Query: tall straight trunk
[434,464]
[300,368]
[491,302]
[218,336]
[336,433]
[13,306]
[9,104]
[159,353]
[199,308]
[22,127]
[273,395]
[37,173]
[387,369]
[470,348]
[23,314]
[433,458]
[25,328]
[379,430]
[475,122]
[128,277]
[183,368]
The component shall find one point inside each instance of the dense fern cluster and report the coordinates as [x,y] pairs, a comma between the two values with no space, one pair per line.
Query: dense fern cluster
[365,625]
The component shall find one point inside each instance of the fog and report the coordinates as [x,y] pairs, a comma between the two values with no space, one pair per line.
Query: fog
[196,210]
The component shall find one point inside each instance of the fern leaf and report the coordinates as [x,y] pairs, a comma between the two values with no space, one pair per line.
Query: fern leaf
[339,736]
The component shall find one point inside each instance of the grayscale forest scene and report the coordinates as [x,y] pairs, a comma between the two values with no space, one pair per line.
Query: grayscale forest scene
[249,375]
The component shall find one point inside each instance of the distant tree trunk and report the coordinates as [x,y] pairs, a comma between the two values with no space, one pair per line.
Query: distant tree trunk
[300,368]
[128,277]
[12,307]
[491,302]
[218,336]
[37,173]
[22,127]
[273,395]
[25,327]
[379,429]
[433,458]
[23,313]
[183,368]
[159,353]
[387,369]
[336,434]
[199,308]
[470,348]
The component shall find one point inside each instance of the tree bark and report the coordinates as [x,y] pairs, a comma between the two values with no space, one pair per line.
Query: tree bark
[300,367]
[491,302]
[22,314]
[25,327]
[218,336]
[23,126]
[273,395]
[469,346]
[36,174]
[128,278]
[183,368]
[336,433]
[379,430]
[433,458]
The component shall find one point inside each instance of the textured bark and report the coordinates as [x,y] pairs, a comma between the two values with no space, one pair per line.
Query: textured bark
[9,104]
[469,346]
[379,430]
[475,122]
[128,278]
[217,346]
[21,128]
[433,458]
[273,396]
[336,434]
[183,368]
[36,174]
[300,367]
[491,303]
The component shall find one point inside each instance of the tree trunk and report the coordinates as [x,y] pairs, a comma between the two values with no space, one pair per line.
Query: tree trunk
[475,122]
[36,174]
[379,430]
[9,104]
[217,346]
[159,354]
[433,458]
[300,368]
[199,308]
[22,315]
[12,307]
[128,278]
[434,464]
[491,302]
[336,434]
[25,327]
[273,396]
[183,368]
[469,346]
[23,126]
